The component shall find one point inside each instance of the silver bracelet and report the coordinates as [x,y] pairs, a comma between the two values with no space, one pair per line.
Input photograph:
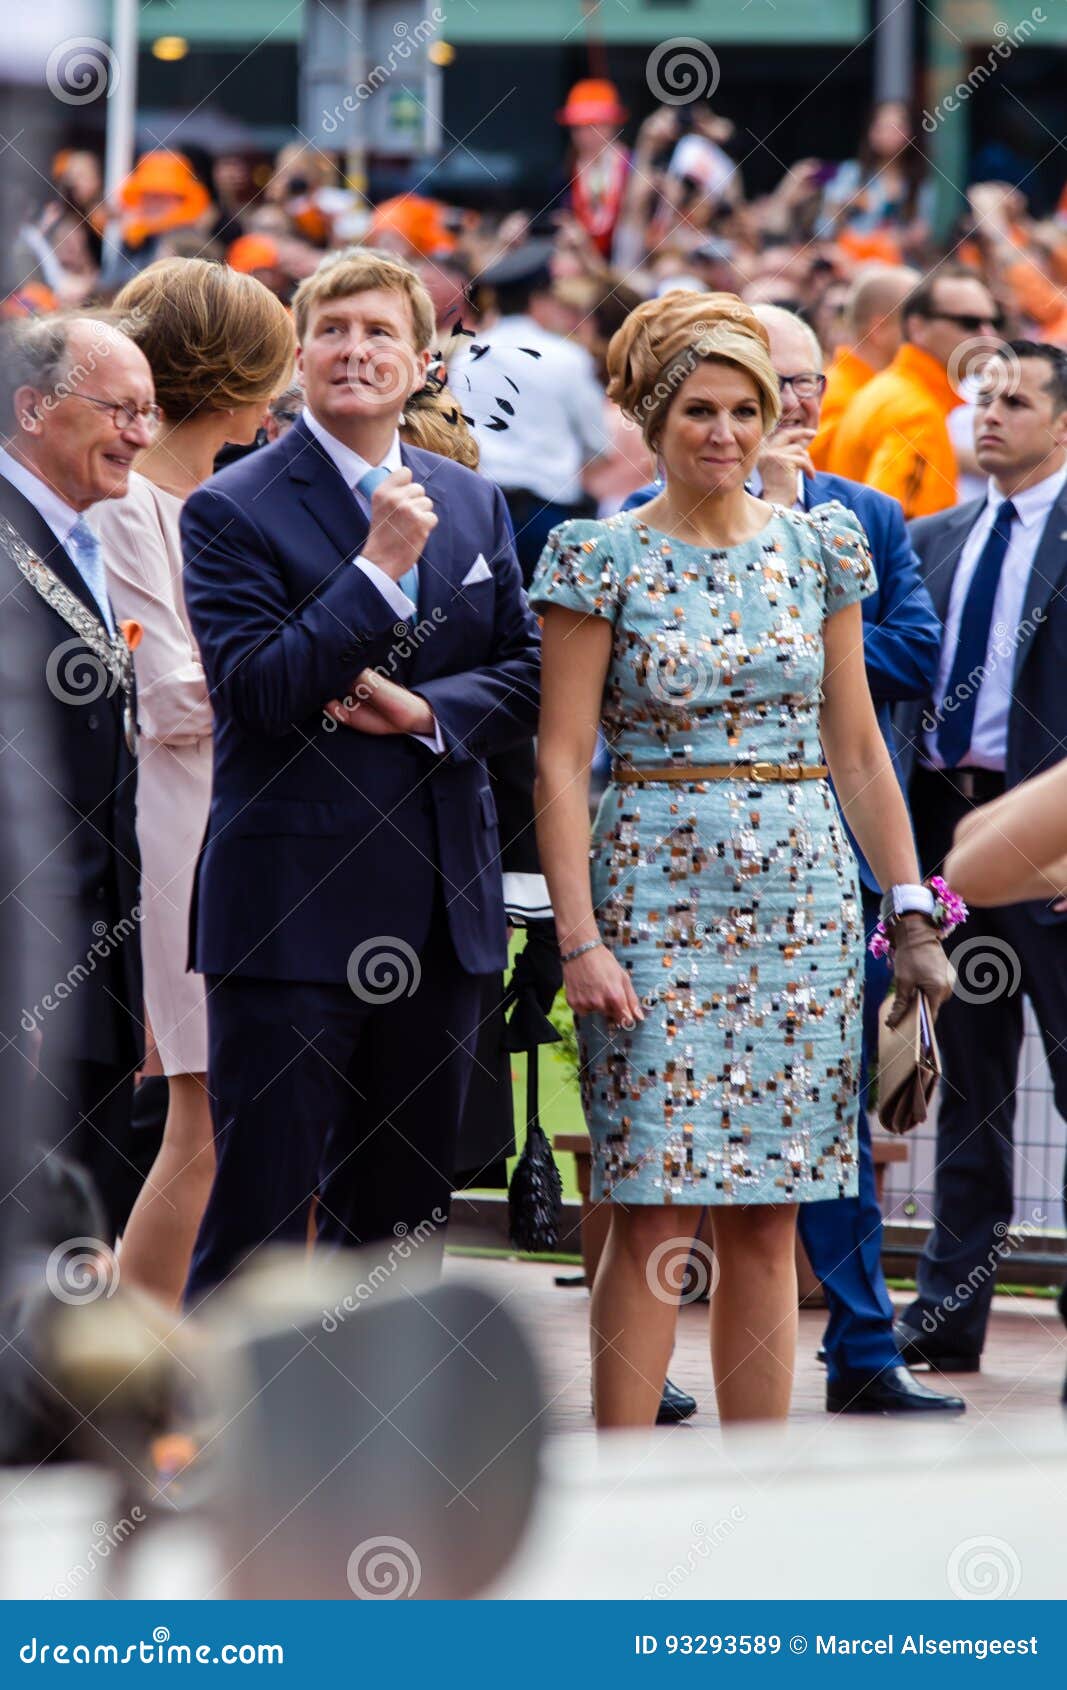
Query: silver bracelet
[580,950]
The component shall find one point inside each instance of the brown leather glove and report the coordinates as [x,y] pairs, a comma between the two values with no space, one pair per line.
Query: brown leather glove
[919,964]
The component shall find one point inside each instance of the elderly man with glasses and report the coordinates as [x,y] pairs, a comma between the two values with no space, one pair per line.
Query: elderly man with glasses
[77,407]
[894,435]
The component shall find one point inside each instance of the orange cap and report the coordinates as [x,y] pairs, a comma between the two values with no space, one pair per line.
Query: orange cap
[418,221]
[253,252]
[594,100]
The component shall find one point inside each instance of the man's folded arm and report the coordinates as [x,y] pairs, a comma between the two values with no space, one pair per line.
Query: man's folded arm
[488,709]
[270,664]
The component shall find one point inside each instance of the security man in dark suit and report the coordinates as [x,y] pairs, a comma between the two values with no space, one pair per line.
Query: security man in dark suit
[996,569]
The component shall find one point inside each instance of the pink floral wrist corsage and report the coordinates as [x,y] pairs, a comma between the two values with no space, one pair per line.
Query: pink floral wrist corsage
[949,911]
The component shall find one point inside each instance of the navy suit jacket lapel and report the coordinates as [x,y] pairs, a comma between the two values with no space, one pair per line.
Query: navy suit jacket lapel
[943,558]
[1050,562]
[324,495]
[39,537]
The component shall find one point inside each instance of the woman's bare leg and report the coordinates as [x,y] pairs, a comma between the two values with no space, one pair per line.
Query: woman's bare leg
[633,1312]
[157,1245]
[754,1311]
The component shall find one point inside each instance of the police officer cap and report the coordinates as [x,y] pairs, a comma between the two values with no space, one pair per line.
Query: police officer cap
[525,267]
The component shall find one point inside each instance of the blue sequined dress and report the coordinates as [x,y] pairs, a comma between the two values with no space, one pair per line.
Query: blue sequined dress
[733,904]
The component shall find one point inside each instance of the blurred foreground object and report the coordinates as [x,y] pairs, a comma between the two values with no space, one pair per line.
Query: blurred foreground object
[377,1435]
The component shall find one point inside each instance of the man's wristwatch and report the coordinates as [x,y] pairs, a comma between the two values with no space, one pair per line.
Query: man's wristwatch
[903,900]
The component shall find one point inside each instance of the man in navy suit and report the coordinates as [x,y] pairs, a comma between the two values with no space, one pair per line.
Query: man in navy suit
[367,643]
[996,715]
[901,637]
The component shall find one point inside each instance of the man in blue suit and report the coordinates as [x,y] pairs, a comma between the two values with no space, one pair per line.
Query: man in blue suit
[360,614]
[901,641]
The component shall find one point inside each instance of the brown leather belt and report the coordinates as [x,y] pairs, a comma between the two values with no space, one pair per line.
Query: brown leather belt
[676,774]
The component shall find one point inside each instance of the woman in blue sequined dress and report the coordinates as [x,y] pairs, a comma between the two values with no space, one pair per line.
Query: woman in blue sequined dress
[712,934]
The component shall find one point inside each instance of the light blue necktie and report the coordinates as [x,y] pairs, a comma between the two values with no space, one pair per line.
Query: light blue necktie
[366,484]
[89,559]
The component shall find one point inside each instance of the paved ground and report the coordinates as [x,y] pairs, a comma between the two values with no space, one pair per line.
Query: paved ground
[1022,1373]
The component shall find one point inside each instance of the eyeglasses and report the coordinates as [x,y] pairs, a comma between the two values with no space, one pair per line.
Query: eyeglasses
[970,325]
[122,415]
[807,385]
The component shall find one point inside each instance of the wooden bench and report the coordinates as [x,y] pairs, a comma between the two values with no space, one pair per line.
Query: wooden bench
[596,1216]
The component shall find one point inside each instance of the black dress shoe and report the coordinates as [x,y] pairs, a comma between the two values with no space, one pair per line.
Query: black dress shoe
[893,1391]
[674,1405]
[916,1350]
[820,1355]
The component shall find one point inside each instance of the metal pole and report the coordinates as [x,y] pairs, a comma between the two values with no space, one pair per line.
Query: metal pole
[121,108]
[894,49]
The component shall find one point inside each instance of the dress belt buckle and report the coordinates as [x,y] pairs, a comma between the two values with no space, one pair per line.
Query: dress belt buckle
[774,771]
[966,779]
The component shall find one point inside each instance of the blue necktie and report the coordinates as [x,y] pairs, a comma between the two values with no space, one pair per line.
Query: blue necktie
[89,559]
[366,484]
[957,722]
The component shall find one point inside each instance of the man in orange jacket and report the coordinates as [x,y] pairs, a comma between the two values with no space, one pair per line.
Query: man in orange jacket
[894,434]
[873,319]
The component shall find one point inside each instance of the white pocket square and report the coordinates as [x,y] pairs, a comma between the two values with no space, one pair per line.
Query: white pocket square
[478,571]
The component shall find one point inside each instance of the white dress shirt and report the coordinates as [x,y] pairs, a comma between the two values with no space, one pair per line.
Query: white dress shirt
[54,511]
[352,469]
[989,735]
[559,422]
[755,487]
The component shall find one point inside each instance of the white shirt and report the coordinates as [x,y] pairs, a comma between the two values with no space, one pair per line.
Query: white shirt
[559,422]
[352,469]
[54,511]
[989,735]
[755,487]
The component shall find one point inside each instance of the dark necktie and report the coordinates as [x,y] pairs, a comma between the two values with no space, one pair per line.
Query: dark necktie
[961,694]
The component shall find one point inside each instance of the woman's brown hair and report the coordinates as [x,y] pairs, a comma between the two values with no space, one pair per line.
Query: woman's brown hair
[213,337]
[663,341]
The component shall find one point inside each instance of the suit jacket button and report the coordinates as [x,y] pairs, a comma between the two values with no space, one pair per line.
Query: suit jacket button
[101,894]
[92,721]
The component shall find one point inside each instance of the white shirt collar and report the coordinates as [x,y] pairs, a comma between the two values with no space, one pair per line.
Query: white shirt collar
[352,467]
[60,516]
[755,486]
[1035,503]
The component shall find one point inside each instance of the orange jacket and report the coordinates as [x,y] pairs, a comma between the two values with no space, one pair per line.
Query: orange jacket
[1038,298]
[894,435]
[847,373]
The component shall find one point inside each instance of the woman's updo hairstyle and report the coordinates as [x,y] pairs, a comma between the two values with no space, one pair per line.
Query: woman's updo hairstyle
[663,340]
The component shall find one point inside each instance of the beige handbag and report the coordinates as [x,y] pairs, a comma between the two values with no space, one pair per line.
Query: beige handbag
[909,1066]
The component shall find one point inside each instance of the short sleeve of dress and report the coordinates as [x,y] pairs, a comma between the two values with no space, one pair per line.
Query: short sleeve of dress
[579,570]
[846,556]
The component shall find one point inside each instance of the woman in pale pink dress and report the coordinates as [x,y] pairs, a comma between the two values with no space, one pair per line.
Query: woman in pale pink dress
[219,345]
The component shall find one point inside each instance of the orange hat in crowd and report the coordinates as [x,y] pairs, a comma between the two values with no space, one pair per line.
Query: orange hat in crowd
[420,222]
[161,176]
[253,252]
[593,101]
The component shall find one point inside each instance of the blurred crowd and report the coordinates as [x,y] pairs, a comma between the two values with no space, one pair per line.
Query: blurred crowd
[840,243]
